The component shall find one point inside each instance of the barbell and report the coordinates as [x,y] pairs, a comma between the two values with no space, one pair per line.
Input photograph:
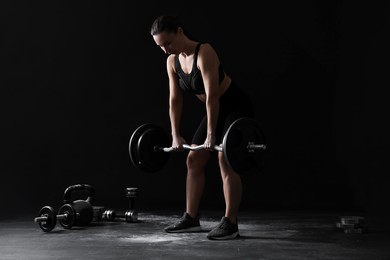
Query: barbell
[243,146]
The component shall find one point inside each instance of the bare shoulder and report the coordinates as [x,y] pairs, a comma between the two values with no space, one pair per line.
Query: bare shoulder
[207,49]
[207,54]
[171,62]
[171,59]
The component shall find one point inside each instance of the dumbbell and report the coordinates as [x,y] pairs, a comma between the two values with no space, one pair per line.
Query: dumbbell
[130,215]
[113,215]
[47,218]
[132,193]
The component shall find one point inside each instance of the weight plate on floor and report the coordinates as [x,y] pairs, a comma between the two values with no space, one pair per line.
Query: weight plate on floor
[70,219]
[51,218]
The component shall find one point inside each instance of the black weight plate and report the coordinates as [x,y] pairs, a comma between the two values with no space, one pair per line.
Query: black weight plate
[133,143]
[235,146]
[51,218]
[150,159]
[71,216]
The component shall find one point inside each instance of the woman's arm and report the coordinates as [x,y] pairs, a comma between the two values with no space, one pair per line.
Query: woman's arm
[175,98]
[208,63]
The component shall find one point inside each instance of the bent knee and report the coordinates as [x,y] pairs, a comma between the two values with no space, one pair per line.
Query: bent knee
[222,161]
[197,159]
[223,164]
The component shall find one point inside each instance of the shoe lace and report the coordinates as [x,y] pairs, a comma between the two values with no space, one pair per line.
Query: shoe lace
[223,224]
[183,219]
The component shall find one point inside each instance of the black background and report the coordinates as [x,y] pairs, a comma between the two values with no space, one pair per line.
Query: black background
[78,77]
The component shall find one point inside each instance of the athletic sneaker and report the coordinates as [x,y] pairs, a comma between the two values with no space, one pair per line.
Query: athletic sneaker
[224,230]
[185,224]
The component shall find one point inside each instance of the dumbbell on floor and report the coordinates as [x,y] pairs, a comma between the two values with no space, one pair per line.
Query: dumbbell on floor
[47,218]
[130,216]
[132,193]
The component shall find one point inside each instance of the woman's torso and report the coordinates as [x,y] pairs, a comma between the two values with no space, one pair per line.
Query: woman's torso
[190,77]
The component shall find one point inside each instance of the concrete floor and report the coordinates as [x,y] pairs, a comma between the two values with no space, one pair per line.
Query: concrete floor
[264,235]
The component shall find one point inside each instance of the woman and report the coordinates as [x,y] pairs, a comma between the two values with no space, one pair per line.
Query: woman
[195,67]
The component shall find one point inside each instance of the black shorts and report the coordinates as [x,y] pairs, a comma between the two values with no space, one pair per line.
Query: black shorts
[233,104]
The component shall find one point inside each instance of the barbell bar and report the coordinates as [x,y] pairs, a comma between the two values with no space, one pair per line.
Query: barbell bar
[243,146]
[251,148]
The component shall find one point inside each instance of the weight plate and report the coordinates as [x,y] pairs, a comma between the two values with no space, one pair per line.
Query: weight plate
[150,159]
[133,143]
[68,222]
[51,218]
[239,135]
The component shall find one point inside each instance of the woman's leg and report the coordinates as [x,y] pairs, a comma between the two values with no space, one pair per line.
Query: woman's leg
[232,189]
[232,184]
[196,161]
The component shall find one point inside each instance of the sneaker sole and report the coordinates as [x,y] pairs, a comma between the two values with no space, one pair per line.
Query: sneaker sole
[191,229]
[232,236]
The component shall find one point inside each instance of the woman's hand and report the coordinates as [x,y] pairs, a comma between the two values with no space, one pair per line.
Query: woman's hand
[209,143]
[177,143]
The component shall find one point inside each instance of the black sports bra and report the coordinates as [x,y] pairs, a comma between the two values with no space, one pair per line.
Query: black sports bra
[193,82]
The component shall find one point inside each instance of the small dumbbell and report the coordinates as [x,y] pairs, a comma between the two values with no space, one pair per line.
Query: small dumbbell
[130,215]
[113,215]
[132,193]
[47,218]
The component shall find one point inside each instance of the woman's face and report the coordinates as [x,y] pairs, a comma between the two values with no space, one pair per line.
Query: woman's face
[168,42]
